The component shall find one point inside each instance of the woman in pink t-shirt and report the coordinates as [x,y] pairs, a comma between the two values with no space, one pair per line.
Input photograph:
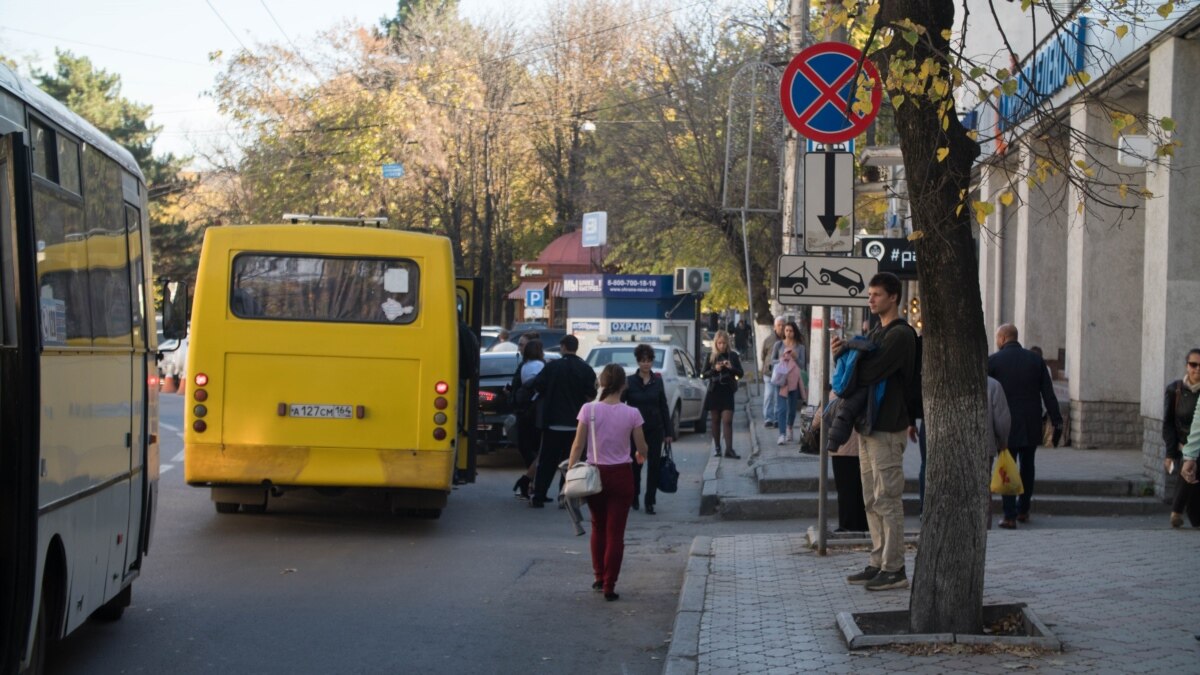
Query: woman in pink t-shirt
[614,423]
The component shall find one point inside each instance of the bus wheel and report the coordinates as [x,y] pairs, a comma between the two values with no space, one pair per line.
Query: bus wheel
[226,507]
[115,608]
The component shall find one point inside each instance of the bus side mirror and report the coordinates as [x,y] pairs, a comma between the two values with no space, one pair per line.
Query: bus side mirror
[175,310]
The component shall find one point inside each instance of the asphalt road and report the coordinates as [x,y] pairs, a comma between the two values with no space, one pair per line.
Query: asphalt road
[339,585]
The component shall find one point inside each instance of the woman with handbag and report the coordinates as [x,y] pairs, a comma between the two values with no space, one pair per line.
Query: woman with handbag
[605,427]
[1179,406]
[648,394]
[722,370]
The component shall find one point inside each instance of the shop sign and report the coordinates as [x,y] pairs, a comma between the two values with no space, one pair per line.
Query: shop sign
[527,271]
[1046,73]
[633,286]
[585,326]
[583,286]
[629,327]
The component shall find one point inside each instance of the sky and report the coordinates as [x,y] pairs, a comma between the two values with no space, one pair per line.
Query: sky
[161,48]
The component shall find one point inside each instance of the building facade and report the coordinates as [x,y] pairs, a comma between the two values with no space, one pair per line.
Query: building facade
[1105,281]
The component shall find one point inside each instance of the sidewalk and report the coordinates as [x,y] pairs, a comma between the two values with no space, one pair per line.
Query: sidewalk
[1117,600]
[767,603]
[779,482]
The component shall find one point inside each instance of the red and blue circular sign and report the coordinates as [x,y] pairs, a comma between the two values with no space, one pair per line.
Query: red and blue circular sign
[817,88]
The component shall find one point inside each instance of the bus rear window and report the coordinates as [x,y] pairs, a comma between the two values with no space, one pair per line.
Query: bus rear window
[326,289]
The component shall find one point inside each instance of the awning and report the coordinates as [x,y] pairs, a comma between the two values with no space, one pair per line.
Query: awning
[519,292]
[556,288]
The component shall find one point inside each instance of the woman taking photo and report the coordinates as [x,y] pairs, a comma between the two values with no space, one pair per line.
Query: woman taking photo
[604,430]
[647,393]
[1179,406]
[722,370]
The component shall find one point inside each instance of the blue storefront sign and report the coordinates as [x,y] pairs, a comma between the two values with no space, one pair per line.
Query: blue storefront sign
[1046,73]
[645,286]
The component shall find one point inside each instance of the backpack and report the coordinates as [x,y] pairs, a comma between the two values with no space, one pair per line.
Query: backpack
[913,396]
[522,394]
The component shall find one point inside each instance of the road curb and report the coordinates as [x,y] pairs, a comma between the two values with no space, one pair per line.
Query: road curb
[683,658]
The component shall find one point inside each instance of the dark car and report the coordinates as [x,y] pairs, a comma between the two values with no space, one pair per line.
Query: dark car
[496,370]
[550,337]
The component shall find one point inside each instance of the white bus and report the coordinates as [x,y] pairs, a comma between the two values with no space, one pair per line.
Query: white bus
[78,382]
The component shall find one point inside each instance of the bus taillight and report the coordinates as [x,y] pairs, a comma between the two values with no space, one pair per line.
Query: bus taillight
[201,380]
[199,426]
[441,387]
[439,434]
[440,403]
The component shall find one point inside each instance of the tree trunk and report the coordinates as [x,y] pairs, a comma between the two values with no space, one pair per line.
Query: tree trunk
[947,594]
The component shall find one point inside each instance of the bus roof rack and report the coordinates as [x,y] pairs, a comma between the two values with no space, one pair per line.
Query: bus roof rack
[332,220]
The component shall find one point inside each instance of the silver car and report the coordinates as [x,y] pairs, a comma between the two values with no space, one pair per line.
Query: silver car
[685,389]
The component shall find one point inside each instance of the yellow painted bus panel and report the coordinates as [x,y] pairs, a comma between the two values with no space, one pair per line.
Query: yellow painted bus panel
[316,466]
[257,383]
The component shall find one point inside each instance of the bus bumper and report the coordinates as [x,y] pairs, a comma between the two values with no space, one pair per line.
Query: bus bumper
[207,465]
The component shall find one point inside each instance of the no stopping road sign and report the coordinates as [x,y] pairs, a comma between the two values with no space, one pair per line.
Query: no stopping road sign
[817,88]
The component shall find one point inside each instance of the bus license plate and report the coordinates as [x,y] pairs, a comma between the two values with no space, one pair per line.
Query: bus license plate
[330,412]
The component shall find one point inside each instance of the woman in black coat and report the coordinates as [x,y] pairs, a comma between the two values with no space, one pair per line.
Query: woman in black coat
[723,370]
[1179,406]
[646,392]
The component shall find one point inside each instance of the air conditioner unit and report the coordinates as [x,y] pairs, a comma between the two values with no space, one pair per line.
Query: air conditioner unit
[692,280]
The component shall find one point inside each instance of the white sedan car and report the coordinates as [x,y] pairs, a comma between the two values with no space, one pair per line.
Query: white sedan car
[685,389]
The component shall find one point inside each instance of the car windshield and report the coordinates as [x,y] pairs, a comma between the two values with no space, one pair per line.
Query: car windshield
[602,356]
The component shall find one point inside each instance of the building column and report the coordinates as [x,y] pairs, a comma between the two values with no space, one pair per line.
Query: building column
[1171,314]
[990,256]
[1040,287]
[1105,251]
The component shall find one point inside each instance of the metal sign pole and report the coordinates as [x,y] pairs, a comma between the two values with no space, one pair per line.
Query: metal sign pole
[822,483]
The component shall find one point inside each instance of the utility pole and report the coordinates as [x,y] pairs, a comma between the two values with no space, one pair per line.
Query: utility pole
[793,177]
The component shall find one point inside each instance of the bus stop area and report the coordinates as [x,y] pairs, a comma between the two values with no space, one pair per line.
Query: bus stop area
[768,602]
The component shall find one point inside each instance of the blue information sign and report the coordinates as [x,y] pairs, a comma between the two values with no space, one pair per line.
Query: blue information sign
[535,298]
[393,171]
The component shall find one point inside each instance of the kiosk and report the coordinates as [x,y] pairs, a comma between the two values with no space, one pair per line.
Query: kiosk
[628,306]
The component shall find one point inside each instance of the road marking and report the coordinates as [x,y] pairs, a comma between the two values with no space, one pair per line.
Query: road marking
[165,468]
[178,458]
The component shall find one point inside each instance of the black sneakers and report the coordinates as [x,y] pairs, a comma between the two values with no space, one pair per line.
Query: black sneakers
[886,581]
[864,576]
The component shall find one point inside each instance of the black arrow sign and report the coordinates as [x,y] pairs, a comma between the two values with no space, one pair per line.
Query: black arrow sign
[829,219]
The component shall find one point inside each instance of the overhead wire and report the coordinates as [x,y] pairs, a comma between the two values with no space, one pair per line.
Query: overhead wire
[108,47]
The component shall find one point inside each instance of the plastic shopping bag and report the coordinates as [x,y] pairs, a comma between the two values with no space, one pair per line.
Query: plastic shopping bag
[1005,478]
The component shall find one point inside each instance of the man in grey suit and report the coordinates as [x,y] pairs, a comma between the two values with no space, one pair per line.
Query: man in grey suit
[1027,387]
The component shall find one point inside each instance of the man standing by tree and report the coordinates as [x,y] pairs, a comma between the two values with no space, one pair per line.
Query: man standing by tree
[1027,387]
[881,454]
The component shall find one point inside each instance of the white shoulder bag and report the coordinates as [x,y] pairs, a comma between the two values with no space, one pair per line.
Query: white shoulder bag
[583,479]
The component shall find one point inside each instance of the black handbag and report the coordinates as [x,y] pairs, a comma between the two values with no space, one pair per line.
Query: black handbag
[668,473]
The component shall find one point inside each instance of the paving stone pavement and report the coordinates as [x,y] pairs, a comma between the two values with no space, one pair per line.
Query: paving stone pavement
[1122,601]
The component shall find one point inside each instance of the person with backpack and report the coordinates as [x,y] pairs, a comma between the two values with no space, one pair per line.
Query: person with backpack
[529,437]
[881,452]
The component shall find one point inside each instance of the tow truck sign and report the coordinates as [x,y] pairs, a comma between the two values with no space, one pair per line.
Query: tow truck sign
[824,280]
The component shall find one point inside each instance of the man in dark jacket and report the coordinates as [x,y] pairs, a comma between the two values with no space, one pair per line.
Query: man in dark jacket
[881,453]
[563,386]
[1027,388]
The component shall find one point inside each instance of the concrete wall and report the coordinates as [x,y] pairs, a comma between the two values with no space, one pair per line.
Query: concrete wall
[1104,292]
[1171,276]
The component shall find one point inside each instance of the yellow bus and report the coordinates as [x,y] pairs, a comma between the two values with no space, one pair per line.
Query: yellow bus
[323,356]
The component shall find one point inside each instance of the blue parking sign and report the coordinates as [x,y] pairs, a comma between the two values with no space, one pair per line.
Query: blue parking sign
[535,298]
